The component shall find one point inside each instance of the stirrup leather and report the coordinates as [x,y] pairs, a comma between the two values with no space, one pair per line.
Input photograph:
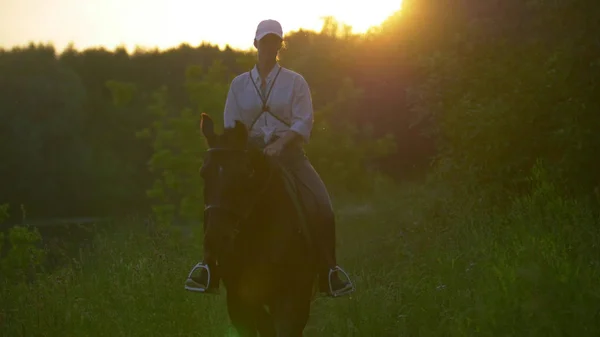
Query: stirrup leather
[346,290]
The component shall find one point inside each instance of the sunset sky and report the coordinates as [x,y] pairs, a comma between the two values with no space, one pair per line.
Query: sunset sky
[167,23]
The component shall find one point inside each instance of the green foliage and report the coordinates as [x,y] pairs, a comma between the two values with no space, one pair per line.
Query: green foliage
[24,257]
[121,93]
[341,151]
[473,269]
[42,128]
[179,146]
[129,277]
[504,93]
[3,217]
[3,212]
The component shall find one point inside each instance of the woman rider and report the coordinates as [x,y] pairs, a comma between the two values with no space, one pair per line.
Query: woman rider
[275,104]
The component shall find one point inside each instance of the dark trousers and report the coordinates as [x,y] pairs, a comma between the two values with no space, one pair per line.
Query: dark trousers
[317,203]
[315,198]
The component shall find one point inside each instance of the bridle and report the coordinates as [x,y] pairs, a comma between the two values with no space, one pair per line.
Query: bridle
[243,215]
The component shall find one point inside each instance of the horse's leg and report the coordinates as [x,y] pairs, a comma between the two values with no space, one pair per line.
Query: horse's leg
[264,323]
[291,310]
[241,314]
[291,315]
[247,317]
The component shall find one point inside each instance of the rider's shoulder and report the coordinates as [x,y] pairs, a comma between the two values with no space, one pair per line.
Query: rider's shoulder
[299,82]
[239,78]
[293,74]
[238,83]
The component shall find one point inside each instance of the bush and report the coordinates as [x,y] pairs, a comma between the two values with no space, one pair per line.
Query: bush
[23,257]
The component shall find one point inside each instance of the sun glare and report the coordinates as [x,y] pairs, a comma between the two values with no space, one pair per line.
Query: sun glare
[191,21]
[363,15]
[169,23]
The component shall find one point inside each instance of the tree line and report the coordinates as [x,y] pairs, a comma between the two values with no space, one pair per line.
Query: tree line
[475,92]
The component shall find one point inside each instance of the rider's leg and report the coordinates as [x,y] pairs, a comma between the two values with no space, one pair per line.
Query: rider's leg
[209,277]
[324,227]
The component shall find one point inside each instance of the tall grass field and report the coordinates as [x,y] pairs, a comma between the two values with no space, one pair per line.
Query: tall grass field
[426,262]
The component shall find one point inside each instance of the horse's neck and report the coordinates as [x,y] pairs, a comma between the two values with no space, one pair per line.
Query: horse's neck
[274,203]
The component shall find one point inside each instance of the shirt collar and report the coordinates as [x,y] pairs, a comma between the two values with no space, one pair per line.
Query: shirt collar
[256,75]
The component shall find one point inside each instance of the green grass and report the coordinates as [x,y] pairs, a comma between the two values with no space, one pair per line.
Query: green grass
[425,261]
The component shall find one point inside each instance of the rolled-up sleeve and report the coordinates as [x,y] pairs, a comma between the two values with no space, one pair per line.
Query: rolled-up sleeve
[302,109]
[231,113]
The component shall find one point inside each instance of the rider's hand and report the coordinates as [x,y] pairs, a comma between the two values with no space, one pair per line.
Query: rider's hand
[274,149]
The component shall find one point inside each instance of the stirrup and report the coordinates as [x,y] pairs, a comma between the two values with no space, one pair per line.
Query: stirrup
[349,288]
[192,285]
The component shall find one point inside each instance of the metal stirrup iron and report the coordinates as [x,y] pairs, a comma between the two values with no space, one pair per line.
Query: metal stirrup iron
[344,291]
[199,265]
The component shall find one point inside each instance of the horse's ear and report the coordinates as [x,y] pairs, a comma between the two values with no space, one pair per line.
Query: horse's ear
[207,126]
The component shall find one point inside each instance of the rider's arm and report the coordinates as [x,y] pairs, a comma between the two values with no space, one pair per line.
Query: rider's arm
[231,112]
[302,112]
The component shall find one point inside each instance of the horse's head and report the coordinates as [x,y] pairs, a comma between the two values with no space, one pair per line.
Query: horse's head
[234,176]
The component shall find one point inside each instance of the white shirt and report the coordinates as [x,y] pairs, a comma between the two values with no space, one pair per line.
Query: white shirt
[289,100]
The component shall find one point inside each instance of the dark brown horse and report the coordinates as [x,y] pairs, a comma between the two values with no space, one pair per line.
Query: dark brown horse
[253,221]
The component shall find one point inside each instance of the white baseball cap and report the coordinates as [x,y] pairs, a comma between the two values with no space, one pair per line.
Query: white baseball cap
[266,27]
